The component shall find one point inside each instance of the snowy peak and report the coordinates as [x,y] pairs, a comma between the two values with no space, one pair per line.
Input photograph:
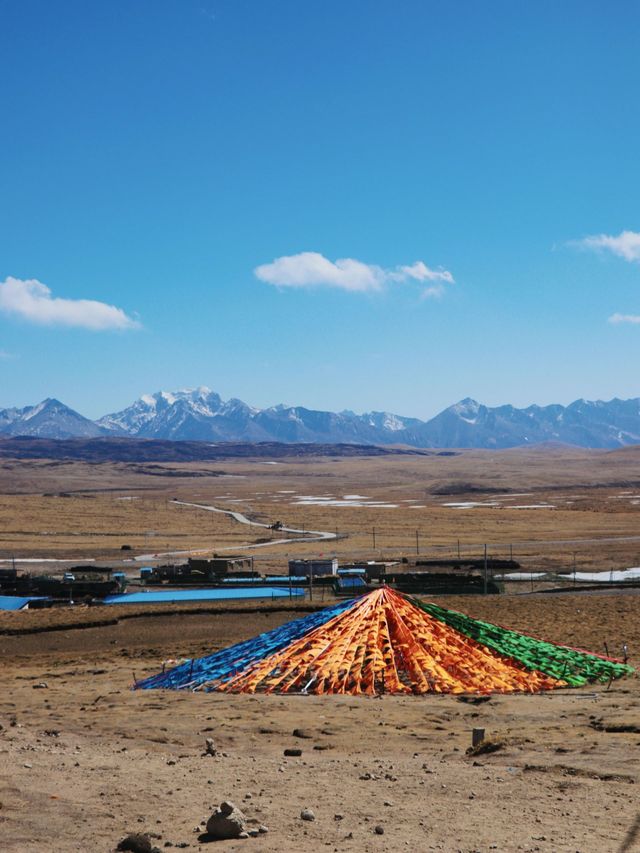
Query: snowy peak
[199,414]
[48,419]
[467,408]
[146,417]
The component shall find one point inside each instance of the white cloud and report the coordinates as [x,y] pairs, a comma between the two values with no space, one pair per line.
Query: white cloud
[311,269]
[626,245]
[624,318]
[420,272]
[436,291]
[32,301]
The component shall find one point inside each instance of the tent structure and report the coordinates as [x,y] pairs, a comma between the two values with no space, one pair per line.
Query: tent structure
[385,642]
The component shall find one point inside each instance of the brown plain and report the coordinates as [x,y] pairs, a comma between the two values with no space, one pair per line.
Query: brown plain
[86,760]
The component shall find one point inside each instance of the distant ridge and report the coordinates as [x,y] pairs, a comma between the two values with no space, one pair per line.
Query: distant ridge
[150,451]
[202,415]
[49,419]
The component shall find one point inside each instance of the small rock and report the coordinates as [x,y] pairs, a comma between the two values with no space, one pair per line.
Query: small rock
[303,733]
[262,829]
[171,762]
[27,765]
[253,833]
[307,814]
[136,842]
[293,753]
[227,822]
[42,685]
[210,746]
[379,830]
[338,816]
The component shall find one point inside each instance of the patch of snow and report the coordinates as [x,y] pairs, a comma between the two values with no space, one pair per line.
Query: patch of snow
[603,577]
[392,422]
[534,506]
[470,504]
[520,576]
[35,410]
[46,560]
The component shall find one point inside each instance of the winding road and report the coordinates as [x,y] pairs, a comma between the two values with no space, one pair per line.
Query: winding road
[306,535]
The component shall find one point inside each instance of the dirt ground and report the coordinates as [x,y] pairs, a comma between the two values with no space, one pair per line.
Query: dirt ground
[86,760]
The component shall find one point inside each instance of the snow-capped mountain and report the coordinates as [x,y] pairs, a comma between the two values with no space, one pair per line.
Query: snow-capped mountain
[202,415]
[49,419]
[153,415]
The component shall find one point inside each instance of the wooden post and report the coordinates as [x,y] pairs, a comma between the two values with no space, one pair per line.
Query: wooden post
[477,736]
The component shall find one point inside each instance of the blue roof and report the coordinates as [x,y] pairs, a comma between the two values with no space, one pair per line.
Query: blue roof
[15,602]
[176,595]
[351,583]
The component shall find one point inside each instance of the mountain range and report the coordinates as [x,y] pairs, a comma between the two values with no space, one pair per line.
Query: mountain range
[202,415]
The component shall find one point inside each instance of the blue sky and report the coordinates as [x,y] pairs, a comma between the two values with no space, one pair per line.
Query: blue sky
[476,163]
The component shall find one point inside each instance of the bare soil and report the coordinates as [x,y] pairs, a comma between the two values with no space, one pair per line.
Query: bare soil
[85,760]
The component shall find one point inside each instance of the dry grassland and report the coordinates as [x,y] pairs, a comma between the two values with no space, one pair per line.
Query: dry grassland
[81,510]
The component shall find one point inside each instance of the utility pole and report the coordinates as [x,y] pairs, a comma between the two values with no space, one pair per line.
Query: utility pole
[417,544]
[458,549]
[485,569]
[374,538]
